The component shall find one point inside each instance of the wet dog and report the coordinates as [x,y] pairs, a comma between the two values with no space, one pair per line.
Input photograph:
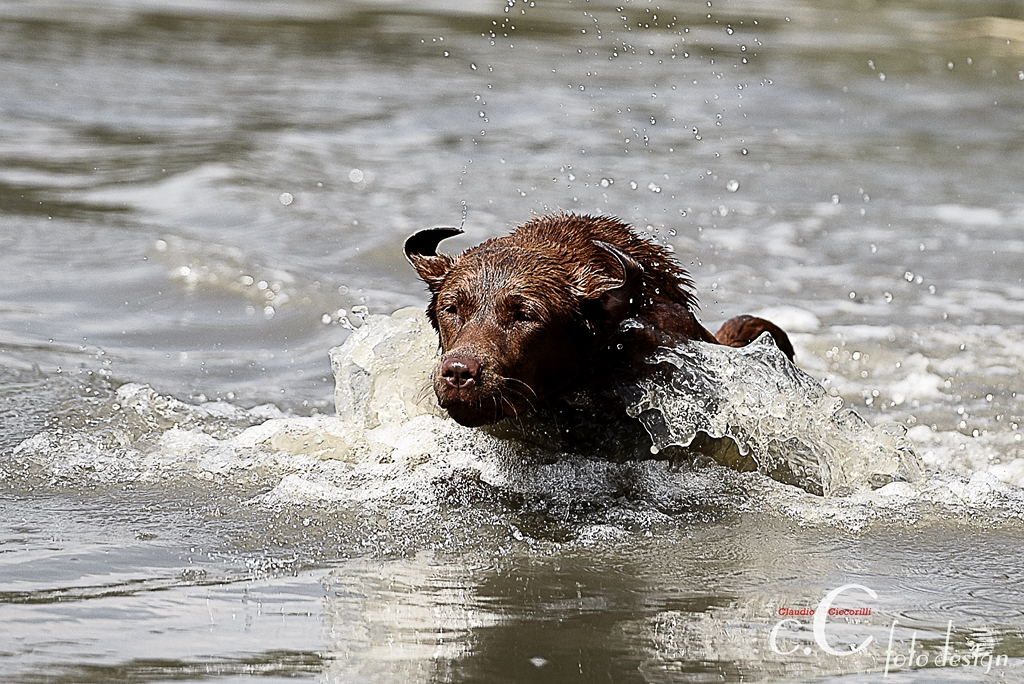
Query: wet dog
[563,303]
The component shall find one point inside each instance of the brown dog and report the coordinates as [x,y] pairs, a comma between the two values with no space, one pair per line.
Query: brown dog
[565,302]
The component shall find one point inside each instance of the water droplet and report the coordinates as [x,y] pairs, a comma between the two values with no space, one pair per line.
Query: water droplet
[908,276]
[605,182]
[482,114]
[633,185]
[888,297]
[743,151]
[286,198]
[653,187]
[835,199]
[733,185]
[355,175]
[653,121]
[881,77]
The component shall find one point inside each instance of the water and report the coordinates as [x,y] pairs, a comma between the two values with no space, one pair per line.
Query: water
[197,198]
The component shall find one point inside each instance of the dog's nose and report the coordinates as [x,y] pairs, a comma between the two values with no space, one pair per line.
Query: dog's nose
[460,372]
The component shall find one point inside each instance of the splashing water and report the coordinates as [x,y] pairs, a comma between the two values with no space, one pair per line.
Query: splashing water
[777,419]
[391,469]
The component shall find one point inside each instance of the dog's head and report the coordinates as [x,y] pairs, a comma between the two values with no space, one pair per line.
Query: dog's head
[518,321]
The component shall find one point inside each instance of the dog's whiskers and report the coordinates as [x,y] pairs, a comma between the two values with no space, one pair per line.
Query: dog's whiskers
[515,413]
[518,392]
[524,384]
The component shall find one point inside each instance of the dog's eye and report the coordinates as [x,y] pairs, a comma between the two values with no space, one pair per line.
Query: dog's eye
[523,316]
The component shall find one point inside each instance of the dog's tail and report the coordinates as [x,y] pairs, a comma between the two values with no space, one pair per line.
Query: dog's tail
[742,330]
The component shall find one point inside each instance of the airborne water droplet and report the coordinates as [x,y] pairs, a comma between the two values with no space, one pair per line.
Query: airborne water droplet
[733,185]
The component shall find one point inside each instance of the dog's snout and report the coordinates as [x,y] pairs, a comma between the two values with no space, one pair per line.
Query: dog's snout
[461,372]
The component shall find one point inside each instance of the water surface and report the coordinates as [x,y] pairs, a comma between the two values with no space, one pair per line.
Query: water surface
[196,198]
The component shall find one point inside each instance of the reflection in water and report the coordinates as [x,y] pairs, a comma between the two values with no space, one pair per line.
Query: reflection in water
[650,614]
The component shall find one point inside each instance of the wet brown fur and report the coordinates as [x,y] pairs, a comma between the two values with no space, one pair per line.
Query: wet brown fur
[564,302]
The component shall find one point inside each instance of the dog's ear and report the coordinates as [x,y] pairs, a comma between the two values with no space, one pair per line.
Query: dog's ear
[610,303]
[421,251]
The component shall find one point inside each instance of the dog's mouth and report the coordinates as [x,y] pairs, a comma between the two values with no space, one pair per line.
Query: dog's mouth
[481,410]
[473,408]
[471,416]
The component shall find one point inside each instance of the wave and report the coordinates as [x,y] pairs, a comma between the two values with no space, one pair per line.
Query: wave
[397,472]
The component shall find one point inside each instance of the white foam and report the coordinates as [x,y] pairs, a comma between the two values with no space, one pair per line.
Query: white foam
[780,416]
[963,215]
[392,451]
[792,319]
